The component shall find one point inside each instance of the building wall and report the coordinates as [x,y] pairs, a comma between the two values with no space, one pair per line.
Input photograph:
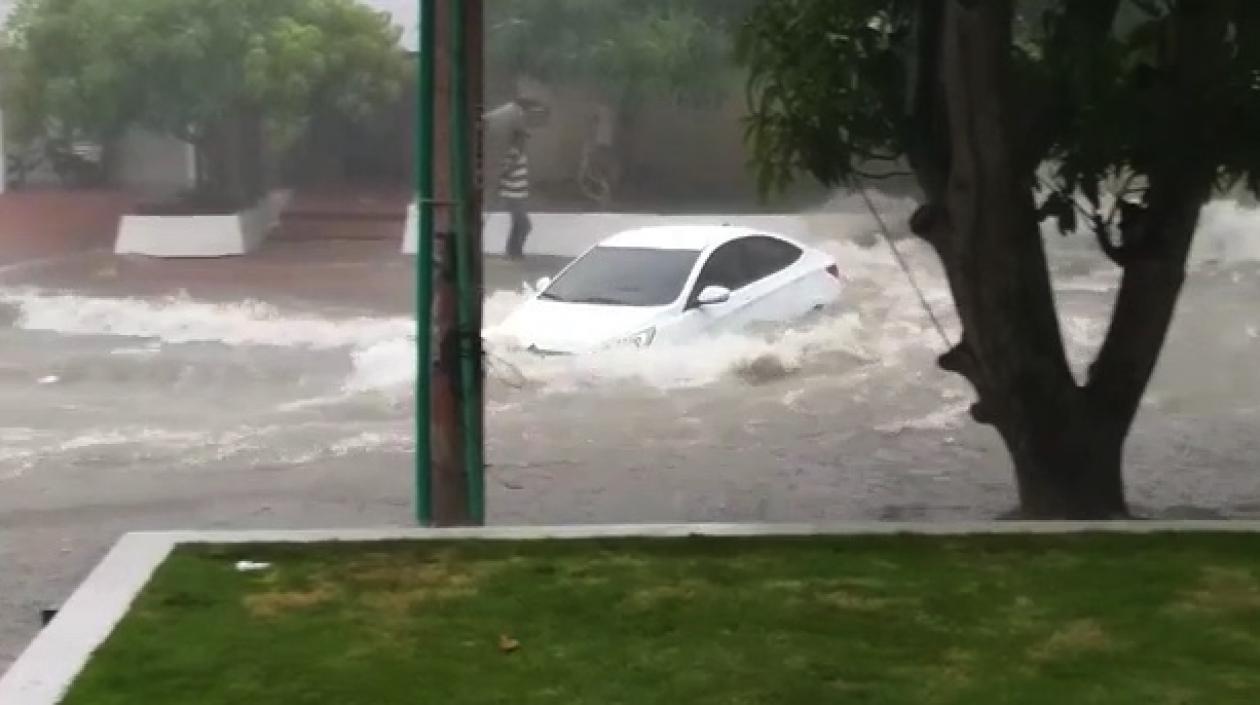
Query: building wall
[674,155]
[696,152]
[152,164]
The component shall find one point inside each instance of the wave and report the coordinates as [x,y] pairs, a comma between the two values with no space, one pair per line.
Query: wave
[181,319]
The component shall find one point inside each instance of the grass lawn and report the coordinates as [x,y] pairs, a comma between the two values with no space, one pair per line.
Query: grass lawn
[1150,620]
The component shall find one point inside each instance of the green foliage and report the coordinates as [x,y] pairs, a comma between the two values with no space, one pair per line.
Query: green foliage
[831,87]
[827,88]
[95,67]
[624,50]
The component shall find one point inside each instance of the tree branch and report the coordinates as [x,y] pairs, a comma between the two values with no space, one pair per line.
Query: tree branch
[887,175]
[927,144]
[874,156]
[1125,190]
[930,222]
[1102,233]
[961,360]
[1179,186]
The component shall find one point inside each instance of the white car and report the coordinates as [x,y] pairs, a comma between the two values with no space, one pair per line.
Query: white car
[672,284]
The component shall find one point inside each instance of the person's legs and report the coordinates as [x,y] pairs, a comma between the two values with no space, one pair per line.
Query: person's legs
[520,228]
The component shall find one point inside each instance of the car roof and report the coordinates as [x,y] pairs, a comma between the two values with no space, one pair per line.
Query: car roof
[681,237]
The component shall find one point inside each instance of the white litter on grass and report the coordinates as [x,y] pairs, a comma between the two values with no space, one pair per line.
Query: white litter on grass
[251,566]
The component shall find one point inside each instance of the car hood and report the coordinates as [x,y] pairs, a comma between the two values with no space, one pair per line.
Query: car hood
[557,326]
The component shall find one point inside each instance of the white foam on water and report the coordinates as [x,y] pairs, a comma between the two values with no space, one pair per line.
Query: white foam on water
[363,442]
[138,351]
[16,434]
[181,319]
[23,449]
[948,417]
[146,436]
[14,462]
[388,365]
[1229,232]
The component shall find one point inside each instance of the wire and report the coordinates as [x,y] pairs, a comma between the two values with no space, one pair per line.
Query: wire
[905,267]
[506,372]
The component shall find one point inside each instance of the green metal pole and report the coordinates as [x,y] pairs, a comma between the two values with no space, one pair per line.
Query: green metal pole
[424,265]
[467,298]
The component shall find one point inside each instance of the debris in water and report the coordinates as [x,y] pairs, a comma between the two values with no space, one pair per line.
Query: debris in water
[763,368]
[507,644]
[50,379]
[251,566]
[866,240]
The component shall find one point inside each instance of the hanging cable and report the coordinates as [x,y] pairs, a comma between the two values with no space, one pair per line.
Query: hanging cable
[503,370]
[905,267]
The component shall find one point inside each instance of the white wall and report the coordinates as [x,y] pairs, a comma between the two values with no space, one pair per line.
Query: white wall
[570,234]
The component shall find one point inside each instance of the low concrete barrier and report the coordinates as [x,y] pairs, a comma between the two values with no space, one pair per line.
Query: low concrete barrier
[201,235]
[571,234]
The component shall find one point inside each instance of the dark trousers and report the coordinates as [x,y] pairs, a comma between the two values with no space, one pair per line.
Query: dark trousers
[521,226]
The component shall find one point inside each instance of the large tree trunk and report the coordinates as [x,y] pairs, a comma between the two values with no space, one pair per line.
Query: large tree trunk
[1070,469]
[1066,440]
[231,168]
[983,223]
[990,243]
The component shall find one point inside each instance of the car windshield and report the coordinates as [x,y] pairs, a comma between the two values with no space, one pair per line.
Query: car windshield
[624,276]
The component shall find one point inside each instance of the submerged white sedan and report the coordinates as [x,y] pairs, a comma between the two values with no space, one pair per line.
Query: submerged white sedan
[672,284]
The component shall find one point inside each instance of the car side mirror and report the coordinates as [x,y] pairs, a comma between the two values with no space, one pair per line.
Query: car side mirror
[712,295]
[542,284]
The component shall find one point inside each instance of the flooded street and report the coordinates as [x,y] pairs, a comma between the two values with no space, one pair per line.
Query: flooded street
[275,391]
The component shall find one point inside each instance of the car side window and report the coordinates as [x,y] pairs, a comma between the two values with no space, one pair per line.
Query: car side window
[741,262]
[726,267]
[768,255]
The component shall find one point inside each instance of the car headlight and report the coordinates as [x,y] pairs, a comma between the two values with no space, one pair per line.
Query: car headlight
[642,339]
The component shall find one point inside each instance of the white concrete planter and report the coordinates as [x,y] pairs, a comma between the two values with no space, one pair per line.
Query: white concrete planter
[571,234]
[201,235]
[411,231]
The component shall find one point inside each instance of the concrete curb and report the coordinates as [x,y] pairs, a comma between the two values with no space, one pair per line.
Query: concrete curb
[45,671]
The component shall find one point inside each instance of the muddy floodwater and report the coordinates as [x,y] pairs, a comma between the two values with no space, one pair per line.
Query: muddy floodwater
[276,391]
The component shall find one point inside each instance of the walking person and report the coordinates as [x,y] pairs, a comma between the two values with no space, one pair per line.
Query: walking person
[514,190]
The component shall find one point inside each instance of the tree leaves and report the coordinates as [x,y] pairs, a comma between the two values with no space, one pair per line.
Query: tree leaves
[621,50]
[1059,207]
[95,67]
[829,80]
[827,88]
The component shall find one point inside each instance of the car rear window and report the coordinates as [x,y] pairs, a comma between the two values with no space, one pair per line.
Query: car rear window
[625,276]
[767,255]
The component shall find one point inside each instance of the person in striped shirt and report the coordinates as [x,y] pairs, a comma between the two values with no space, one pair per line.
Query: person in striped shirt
[514,190]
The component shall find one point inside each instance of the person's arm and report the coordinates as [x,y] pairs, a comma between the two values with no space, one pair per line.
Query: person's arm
[508,163]
[510,115]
